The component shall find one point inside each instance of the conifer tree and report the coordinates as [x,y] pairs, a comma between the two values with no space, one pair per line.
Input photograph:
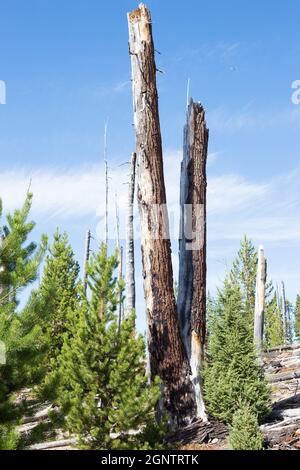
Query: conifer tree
[245,433]
[59,291]
[104,389]
[243,273]
[19,263]
[274,333]
[233,373]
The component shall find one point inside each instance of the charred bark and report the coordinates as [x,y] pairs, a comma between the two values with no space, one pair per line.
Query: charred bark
[192,244]
[167,355]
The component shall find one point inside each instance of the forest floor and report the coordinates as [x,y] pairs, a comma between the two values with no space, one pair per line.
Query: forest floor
[39,431]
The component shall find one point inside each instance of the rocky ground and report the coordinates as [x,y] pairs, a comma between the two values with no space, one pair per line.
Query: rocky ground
[281,427]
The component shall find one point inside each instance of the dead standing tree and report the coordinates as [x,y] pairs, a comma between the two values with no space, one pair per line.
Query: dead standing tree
[284,312]
[168,359]
[130,269]
[260,298]
[192,244]
[87,252]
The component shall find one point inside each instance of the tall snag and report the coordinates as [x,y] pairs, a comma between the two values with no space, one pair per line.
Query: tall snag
[167,355]
[130,269]
[284,311]
[260,296]
[87,252]
[192,244]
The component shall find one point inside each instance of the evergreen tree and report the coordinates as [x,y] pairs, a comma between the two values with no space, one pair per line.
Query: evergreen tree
[297,319]
[245,433]
[19,263]
[243,273]
[59,291]
[233,373]
[103,388]
[274,333]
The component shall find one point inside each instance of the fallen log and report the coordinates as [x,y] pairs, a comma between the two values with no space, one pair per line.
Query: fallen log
[42,415]
[53,444]
[274,378]
[284,348]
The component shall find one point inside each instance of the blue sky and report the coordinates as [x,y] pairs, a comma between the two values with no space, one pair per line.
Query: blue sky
[66,68]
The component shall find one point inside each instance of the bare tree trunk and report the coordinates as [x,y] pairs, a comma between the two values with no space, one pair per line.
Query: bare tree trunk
[106,184]
[130,268]
[260,297]
[119,249]
[120,276]
[192,244]
[1,267]
[283,312]
[87,252]
[167,355]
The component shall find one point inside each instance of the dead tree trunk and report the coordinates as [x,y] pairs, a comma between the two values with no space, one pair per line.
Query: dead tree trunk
[167,355]
[119,250]
[283,312]
[106,185]
[192,244]
[130,268]
[260,296]
[1,267]
[87,252]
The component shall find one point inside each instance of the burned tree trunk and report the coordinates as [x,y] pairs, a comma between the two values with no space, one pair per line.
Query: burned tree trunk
[260,296]
[167,355]
[130,268]
[192,244]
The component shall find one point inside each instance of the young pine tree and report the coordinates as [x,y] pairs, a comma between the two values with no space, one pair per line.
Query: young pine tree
[274,333]
[233,373]
[59,291]
[245,433]
[19,263]
[243,273]
[104,389]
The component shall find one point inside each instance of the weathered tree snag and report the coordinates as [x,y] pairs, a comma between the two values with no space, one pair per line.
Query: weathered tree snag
[1,267]
[260,296]
[167,355]
[106,184]
[130,268]
[283,311]
[87,252]
[192,244]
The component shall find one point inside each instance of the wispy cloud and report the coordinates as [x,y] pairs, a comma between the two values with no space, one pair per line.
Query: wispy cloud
[269,211]
[225,121]
[122,86]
